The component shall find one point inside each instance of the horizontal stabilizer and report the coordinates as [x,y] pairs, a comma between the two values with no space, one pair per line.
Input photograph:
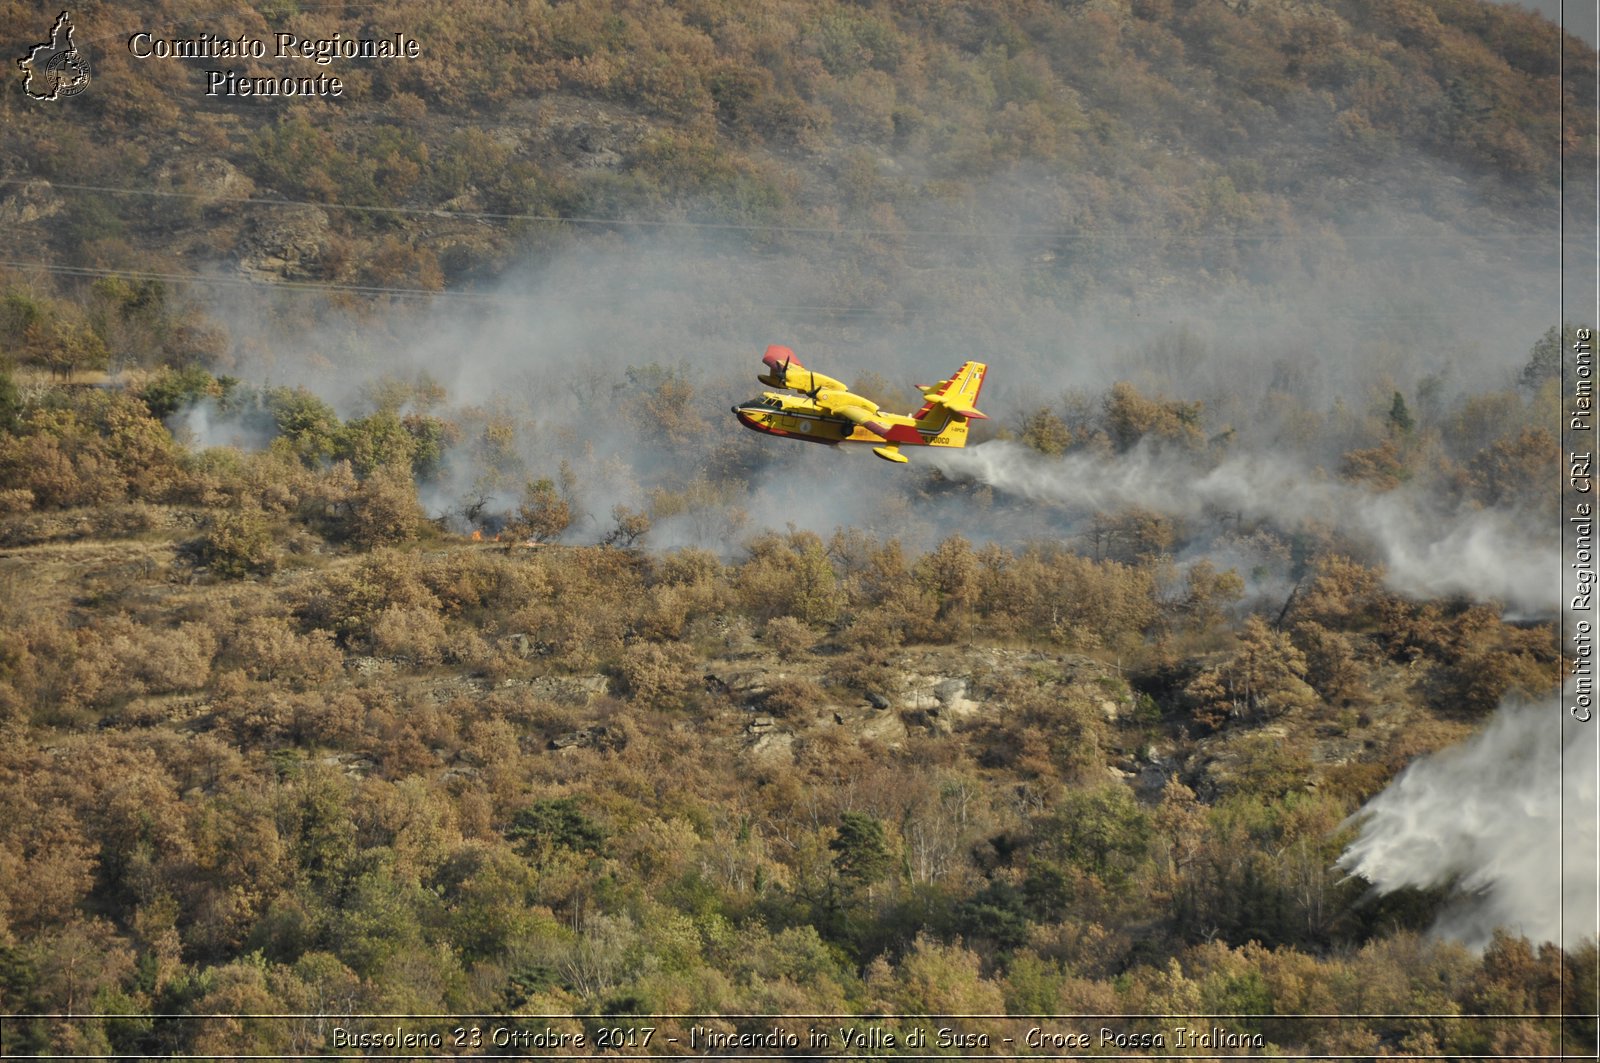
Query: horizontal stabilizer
[959,394]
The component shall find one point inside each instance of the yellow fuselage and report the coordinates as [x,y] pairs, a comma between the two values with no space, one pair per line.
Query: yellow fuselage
[825,411]
[801,417]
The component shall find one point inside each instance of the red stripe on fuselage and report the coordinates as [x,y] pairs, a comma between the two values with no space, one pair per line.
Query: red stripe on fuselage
[754,425]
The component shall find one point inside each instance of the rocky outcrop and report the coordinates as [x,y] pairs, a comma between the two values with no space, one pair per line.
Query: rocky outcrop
[28,202]
[287,242]
[599,737]
[938,691]
[208,181]
[586,134]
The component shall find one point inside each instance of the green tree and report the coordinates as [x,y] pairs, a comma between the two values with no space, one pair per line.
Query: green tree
[171,390]
[10,403]
[1399,416]
[1103,831]
[1544,360]
[307,427]
[431,438]
[555,823]
[860,848]
[381,439]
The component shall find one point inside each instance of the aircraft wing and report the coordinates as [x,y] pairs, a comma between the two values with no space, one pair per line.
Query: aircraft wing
[855,409]
[852,412]
[959,394]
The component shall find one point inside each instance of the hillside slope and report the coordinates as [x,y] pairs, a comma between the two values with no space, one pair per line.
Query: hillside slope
[395,620]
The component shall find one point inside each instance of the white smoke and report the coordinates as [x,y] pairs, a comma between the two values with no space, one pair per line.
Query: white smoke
[205,424]
[1508,817]
[1483,555]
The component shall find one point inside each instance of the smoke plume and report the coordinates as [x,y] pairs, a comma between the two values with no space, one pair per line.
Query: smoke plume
[1483,555]
[1507,817]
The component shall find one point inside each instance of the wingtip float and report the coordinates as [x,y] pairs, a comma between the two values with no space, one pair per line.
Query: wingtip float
[825,411]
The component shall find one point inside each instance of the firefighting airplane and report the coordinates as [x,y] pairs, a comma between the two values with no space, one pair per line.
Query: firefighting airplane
[827,412]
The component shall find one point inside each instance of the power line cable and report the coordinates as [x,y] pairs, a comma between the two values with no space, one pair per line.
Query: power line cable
[58,269]
[1110,236]
[815,311]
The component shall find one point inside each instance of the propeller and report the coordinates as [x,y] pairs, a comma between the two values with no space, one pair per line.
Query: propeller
[812,373]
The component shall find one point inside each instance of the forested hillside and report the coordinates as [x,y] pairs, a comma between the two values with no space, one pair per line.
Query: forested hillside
[1128,141]
[394,620]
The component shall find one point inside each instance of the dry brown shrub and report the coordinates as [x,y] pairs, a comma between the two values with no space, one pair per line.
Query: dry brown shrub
[793,697]
[661,850]
[1381,468]
[58,864]
[658,677]
[276,482]
[1334,665]
[127,521]
[466,581]
[789,575]
[238,543]
[100,672]
[410,632]
[328,718]
[950,576]
[15,500]
[176,660]
[543,515]
[689,567]
[328,495]
[1130,417]
[270,650]
[465,647]
[864,669]
[402,749]
[351,599]
[42,465]
[664,612]
[34,655]
[259,715]
[517,582]
[789,638]
[571,640]
[1343,596]
[418,824]
[384,509]
[1355,782]
[229,683]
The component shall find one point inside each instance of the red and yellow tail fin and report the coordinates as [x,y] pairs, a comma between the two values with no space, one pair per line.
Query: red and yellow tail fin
[959,394]
[951,404]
